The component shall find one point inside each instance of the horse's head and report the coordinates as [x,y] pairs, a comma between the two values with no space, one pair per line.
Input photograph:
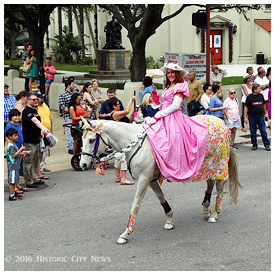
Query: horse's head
[92,143]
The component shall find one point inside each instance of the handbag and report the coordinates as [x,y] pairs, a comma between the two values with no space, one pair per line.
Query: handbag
[51,139]
[194,107]
[27,67]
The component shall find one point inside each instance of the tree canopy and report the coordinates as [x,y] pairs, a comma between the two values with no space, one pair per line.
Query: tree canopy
[28,16]
[137,20]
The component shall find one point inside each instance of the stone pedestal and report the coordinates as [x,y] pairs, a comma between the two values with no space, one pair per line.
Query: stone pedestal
[110,60]
[112,64]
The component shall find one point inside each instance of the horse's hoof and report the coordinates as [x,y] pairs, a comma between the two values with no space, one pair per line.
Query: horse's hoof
[121,241]
[168,226]
[212,220]
[206,216]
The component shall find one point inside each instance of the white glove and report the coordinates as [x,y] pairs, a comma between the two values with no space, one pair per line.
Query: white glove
[170,109]
[155,106]
[149,120]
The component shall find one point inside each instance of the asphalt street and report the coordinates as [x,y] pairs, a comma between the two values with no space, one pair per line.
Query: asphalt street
[74,223]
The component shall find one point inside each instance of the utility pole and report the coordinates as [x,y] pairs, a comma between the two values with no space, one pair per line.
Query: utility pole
[208,61]
[41,48]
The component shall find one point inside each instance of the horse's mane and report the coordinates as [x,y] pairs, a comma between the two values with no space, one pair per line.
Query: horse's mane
[97,125]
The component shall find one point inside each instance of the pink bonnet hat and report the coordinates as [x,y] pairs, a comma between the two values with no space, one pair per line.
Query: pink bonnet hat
[174,67]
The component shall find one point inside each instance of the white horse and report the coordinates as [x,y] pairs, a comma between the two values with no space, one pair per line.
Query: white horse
[144,169]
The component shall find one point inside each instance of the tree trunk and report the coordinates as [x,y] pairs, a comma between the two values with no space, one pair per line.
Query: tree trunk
[78,26]
[81,25]
[32,39]
[91,31]
[12,40]
[138,63]
[70,19]
[59,21]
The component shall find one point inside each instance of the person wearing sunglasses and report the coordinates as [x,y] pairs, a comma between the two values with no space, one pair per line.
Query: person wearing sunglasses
[33,130]
[232,114]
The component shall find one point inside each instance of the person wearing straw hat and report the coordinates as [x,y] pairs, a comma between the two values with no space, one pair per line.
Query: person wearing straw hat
[178,142]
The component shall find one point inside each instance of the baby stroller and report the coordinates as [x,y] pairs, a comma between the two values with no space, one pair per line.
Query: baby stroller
[76,134]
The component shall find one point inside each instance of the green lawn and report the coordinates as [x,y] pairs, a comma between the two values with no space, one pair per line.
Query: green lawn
[58,66]
[74,68]
[14,62]
[86,68]
[232,80]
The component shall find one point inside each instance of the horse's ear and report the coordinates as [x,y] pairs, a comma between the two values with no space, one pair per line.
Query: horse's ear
[89,122]
[92,123]
[85,121]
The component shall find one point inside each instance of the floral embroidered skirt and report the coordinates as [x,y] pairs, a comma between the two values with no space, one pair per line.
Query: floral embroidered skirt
[215,164]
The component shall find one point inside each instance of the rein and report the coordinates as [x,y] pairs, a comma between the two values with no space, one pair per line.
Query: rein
[140,145]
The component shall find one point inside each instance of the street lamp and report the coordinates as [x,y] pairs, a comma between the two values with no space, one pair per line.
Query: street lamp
[208,63]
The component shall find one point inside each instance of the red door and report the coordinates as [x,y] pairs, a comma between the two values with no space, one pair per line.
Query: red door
[216,47]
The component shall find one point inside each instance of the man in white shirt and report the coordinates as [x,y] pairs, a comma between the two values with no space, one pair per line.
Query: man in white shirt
[263,81]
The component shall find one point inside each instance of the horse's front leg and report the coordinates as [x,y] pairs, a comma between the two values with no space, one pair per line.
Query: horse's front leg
[140,192]
[207,199]
[218,207]
[167,209]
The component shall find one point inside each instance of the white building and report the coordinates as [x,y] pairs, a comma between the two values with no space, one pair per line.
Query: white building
[178,34]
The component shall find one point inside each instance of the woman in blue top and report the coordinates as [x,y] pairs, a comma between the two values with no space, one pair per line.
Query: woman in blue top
[216,107]
[32,74]
[146,106]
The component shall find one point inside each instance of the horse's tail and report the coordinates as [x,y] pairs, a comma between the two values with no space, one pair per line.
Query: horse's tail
[234,183]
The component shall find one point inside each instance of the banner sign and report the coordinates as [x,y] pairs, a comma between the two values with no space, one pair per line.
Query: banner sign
[189,61]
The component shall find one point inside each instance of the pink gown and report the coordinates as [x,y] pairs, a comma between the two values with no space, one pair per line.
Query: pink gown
[178,142]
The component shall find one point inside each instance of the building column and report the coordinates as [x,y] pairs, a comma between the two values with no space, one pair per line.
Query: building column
[245,42]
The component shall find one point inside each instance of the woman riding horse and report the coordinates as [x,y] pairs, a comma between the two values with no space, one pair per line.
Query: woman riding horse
[178,142]
[179,147]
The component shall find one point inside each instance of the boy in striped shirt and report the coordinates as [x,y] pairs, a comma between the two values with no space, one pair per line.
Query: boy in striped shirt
[13,162]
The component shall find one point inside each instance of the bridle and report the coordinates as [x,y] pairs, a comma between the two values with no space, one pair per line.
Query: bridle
[142,135]
[95,149]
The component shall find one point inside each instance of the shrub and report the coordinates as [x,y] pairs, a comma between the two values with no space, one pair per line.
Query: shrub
[154,64]
[67,46]
[86,61]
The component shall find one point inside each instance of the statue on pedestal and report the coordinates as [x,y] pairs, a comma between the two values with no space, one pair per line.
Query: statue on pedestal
[113,35]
